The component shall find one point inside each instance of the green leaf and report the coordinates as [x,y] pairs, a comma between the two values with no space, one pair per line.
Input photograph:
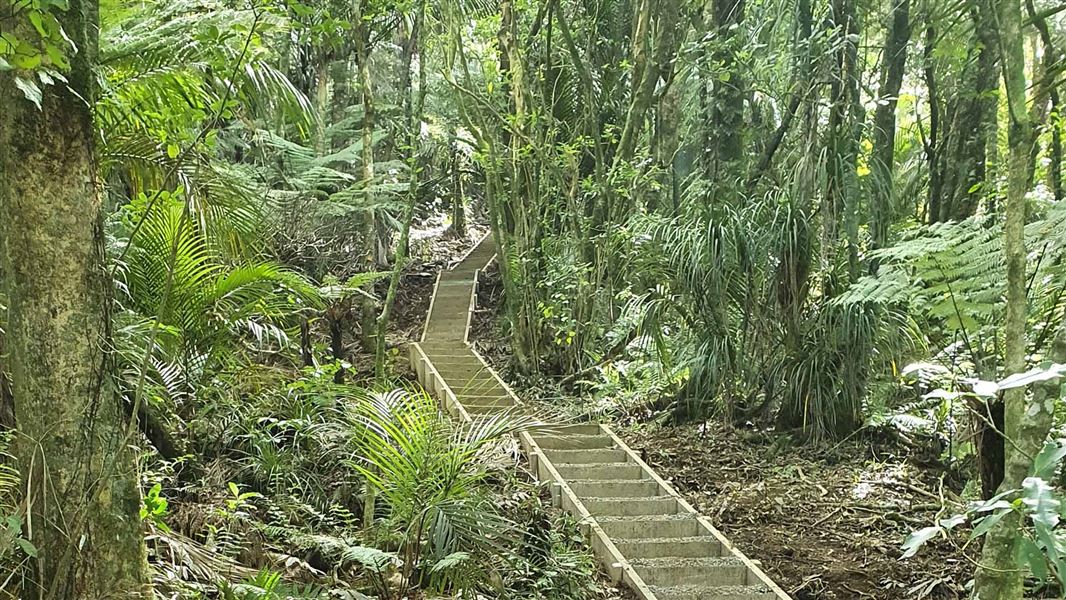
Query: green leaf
[952,522]
[1030,554]
[995,502]
[56,56]
[1047,462]
[989,522]
[452,560]
[30,90]
[173,150]
[988,389]
[8,42]
[918,538]
[372,559]
[35,18]
[1032,376]
[27,547]
[26,57]
[1040,499]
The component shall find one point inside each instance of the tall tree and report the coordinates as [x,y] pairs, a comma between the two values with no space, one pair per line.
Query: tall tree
[724,148]
[972,115]
[893,64]
[413,103]
[845,118]
[78,468]
[1026,421]
[375,253]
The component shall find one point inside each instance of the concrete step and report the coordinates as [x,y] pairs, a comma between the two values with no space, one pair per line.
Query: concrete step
[496,401]
[575,429]
[443,352]
[450,337]
[731,592]
[459,379]
[616,488]
[685,547]
[463,365]
[707,572]
[462,377]
[587,456]
[651,526]
[449,311]
[574,442]
[471,264]
[443,334]
[631,507]
[453,302]
[618,470]
[453,310]
[468,361]
[476,387]
[487,410]
[440,318]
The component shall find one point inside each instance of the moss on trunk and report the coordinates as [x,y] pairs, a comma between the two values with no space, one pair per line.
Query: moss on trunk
[78,470]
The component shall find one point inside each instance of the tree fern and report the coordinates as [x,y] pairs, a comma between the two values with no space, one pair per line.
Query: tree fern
[953,274]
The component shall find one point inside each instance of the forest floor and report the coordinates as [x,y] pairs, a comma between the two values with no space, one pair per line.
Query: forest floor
[825,521]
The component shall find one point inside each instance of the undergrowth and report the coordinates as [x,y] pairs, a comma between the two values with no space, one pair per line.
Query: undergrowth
[272,501]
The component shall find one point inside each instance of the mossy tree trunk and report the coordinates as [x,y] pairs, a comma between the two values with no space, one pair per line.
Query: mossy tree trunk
[1027,420]
[414,104]
[373,254]
[78,469]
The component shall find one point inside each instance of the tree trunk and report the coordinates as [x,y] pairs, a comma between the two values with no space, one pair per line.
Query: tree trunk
[973,119]
[458,203]
[413,107]
[74,451]
[884,132]
[335,316]
[801,87]
[1045,105]
[374,254]
[1026,423]
[7,400]
[727,100]
[932,141]
[845,115]
[322,145]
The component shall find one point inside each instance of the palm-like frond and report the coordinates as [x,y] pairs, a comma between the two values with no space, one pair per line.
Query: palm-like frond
[173,274]
[429,472]
[172,65]
[166,74]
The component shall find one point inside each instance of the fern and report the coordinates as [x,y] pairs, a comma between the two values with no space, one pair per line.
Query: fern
[955,274]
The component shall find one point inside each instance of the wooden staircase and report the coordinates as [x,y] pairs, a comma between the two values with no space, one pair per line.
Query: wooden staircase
[643,532]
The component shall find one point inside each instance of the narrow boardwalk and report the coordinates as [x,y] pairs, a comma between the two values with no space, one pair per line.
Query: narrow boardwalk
[643,532]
